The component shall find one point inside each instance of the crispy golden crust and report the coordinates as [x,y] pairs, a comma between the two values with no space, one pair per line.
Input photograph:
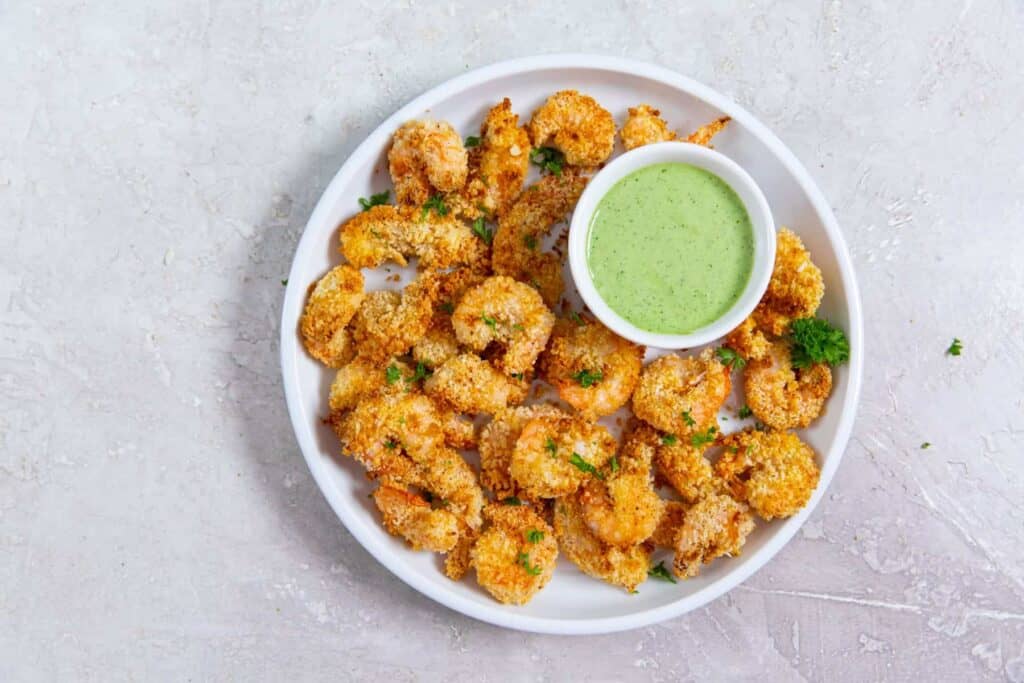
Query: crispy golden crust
[795,289]
[644,126]
[472,385]
[439,342]
[555,454]
[773,472]
[748,341]
[363,377]
[684,467]
[459,432]
[672,516]
[331,305]
[675,391]
[716,525]
[515,555]
[593,369]
[458,560]
[626,567]
[388,323]
[498,441]
[783,397]
[703,135]
[576,125]
[407,515]
[426,156]
[448,477]
[385,428]
[516,251]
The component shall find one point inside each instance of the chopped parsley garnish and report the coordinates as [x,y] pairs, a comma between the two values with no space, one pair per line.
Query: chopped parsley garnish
[660,572]
[669,439]
[518,328]
[490,322]
[481,230]
[392,374]
[688,419]
[448,307]
[472,141]
[955,348]
[421,372]
[551,447]
[614,463]
[512,500]
[926,445]
[703,438]
[816,341]
[284,282]
[391,444]
[534,536]
[577,461]
[437,204]
[575,317]
[374,200]
[587,379]
[524,561]
[730,358]
[518,375]
[745,412]
[548,158]
[530,241]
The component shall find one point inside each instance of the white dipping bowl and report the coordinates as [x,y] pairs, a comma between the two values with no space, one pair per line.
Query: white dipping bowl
[709,160]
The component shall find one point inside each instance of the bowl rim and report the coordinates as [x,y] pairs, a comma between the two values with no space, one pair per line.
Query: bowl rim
[294,299]
[727,170]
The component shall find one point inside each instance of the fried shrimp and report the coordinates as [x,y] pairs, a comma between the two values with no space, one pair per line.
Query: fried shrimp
[682,395]
[644,126]
[775,473]
[331,305]
[626,567]
[685,468]
[784,397]
[389,233]
[515,555]
[554,455]
[363,377]
[577,126]
[426,156]
[472,385]
[439,342]
[498,441]
[516,250]
[594,370]
[703,135]
[795,288]
[407,515]
[672,516]
[748,341]
[509,313]
[389,434]
[716,525]
[388,323]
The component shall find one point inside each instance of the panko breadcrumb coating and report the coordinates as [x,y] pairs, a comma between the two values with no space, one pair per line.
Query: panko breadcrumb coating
[684,467]
[576,125]
[703,135]
[331,305]
[439,342]
[644,126]
[388,323]
[784,397]
[384,428]
[498,441]
[555,454]
[458,560]
[407,515]
[715,526]
[426,156]
[795,289]
[472,385]
[682,396]
[515,555]
[773,472]
[748,341]
[363,377]
[672,516]
[625,567]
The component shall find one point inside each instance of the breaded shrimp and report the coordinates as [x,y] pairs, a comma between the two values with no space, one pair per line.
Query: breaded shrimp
[389,233]
[716,525]
[388,323]
[685,468]
[594,370]
[426,156]
[626,567]
[459,559]
[507,312]
[459,432]
[555,454]
[472,385]
[331,305]
[784,397]
[703,135]
[682,395]
[773,472]
[748,341]
[672,516]
[576,125]
[498,441]
[439,342]
[795,289]
[389,433]
[515,555]
[644,126]
[516,251]
[407,515]
[363,377]
[448,477]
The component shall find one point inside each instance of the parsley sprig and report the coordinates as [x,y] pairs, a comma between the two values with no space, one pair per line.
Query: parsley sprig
[730,358]
[422,372]
[587,379]
[669,439]
[955,348]
[472,141]
[703,438]
[534,536]
[437,204]
[524,561]
[548,158]
[659,572]
[374,200]
[482,231]
[577,461]
[817,341]
[744,412]
[392,374]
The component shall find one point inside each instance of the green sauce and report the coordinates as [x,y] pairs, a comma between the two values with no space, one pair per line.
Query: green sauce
[670,248]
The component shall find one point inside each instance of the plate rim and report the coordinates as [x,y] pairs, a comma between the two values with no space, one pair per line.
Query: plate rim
[503,615]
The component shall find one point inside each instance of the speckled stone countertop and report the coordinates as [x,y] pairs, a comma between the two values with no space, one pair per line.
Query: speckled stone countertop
[157,164]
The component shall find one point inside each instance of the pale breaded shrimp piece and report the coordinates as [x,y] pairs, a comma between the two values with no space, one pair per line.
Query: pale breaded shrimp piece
[448,477]
[515,555]
[498,441]
[685,468]
[682,396]
[363,377]
[714,526]
[508,312]
[623,509]
[388,323]
[554,455]
[472,385]
[644,126]
[703,135]
[672,516]
[407,515]
[748,341]
[775,473]
[516,250]
[330,307]
[784,397]
[426,156]
[593,369]
[625,567]
[459,559]
[439,342]
[459,432]
[795,288]
[577,126]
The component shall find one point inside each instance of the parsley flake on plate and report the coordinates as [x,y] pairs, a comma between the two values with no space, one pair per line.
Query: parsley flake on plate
[374,200]
[659,572]
[745,412]
[955,348]
[472,141]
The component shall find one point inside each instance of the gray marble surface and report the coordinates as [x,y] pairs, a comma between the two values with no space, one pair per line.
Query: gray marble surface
[157,164]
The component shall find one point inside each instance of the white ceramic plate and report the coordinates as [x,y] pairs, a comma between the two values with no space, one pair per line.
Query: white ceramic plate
[572,603]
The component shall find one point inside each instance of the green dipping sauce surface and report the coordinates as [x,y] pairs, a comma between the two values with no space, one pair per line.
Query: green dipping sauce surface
[670,248]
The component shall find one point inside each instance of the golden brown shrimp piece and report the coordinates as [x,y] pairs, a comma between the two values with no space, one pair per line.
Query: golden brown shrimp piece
[498,441]
[507,312]
[703,135]
[626,567]
[459,432]
[472,385]
[748,341]
[576,125]
[458,560]
[684,466]
[784,397]
[593,369]
[516,251]
[795,289]
[448,477]
[672,516]
[426,156]
[644,126]
[682,396]
[388,323]
[515,555]
[331,305]
[555,454]
[363,377]
[407,515]
[439,342]
[386,427]
[716,525]
[773,472]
